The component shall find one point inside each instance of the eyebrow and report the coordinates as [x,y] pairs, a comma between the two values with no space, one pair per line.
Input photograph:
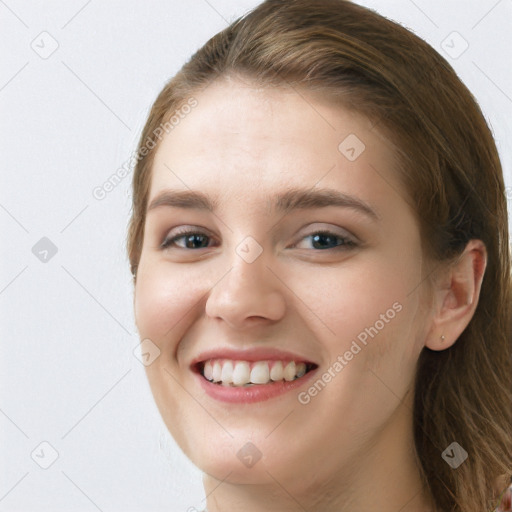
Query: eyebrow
[294,199]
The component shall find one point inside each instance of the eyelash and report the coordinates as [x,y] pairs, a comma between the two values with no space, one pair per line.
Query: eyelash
[345,242]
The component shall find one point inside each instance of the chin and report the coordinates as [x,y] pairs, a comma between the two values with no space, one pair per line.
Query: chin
[238,460]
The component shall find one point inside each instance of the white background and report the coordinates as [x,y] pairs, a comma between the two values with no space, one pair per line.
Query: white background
[68,122]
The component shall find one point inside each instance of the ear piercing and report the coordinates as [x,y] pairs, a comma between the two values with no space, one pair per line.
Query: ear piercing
[442,338]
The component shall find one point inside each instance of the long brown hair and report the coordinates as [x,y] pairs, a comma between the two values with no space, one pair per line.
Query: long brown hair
[450,167]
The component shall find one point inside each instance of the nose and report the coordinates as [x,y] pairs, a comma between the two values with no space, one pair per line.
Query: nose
[249,293]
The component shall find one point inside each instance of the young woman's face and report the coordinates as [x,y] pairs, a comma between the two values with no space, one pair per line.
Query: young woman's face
[309,254]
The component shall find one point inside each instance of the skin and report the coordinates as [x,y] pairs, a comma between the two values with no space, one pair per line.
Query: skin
[351,447]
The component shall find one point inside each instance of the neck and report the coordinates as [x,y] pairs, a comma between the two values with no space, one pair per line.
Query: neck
[384,477]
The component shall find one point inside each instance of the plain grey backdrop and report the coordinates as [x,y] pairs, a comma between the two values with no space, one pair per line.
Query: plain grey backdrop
[78,426]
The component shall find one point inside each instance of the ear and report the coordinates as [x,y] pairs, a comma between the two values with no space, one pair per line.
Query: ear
[456,296]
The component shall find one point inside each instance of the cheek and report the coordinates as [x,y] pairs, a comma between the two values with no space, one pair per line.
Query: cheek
[354,294]
[162,299]
[366,305]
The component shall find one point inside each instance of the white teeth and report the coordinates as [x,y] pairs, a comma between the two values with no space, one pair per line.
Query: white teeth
[243,373]
[217,371]
[208,370]
[227,373]
[301,369]
[289,371]
[276,373]
[260,373]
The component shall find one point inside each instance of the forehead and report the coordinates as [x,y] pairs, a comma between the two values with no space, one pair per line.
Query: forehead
[251,141]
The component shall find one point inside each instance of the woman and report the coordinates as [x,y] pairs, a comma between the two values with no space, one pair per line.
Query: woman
[319,244]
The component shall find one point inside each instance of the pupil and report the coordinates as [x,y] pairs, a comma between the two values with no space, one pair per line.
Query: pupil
[316,239]
[191,239]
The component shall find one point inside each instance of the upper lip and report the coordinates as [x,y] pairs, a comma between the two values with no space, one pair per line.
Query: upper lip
[250,355]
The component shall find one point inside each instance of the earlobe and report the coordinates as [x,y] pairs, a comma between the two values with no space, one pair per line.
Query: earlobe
[456,297]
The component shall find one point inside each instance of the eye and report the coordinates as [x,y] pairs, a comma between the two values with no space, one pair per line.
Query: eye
[191,240]
[324,240]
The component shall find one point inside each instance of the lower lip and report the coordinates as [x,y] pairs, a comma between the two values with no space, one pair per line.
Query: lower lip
[250,394]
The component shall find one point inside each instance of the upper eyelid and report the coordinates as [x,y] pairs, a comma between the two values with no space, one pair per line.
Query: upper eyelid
[185,228]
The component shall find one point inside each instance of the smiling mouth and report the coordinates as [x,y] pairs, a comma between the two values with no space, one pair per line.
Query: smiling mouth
[234,373]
